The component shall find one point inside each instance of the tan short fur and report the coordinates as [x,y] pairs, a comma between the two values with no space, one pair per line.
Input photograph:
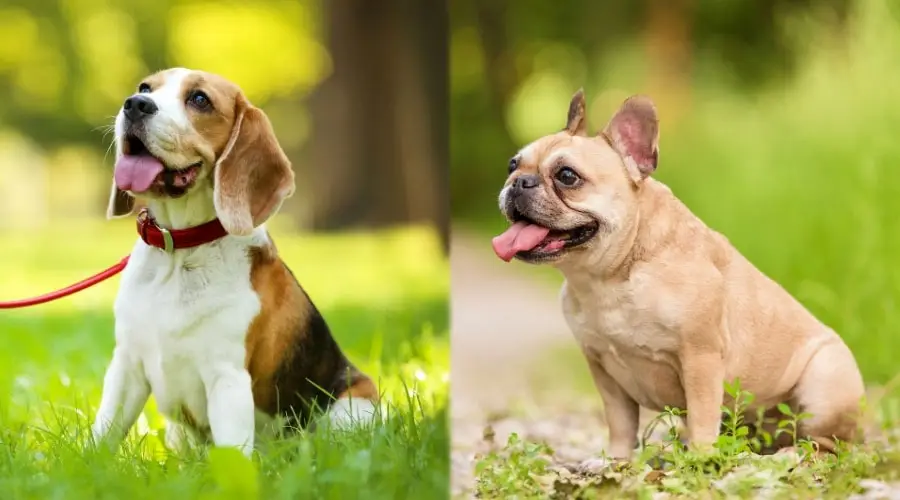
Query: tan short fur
[664,308]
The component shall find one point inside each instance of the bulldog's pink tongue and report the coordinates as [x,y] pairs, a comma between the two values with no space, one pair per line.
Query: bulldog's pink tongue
[519,237]
[136,173]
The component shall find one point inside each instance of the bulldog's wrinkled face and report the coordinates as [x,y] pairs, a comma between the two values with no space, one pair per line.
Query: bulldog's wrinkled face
[566,190]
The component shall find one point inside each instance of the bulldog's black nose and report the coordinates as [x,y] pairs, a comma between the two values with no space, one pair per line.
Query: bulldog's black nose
[526,181]
[138,107]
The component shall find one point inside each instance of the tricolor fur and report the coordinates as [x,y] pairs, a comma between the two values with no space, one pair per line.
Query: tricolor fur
[222,334]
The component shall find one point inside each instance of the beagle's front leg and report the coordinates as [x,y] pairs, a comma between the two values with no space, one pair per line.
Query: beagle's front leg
[125,392]
[230,407]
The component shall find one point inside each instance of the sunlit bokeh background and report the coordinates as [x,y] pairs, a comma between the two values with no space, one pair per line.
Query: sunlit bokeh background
[779,123]
[362,121]
[357,98]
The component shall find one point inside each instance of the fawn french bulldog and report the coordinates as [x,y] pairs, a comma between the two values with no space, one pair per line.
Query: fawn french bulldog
[664,308]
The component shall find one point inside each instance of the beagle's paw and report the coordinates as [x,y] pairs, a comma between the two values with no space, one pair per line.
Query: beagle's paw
[346,413]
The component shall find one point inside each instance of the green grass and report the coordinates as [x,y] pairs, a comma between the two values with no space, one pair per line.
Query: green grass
[527,467]
[384,296]
[733,468]
[524,469]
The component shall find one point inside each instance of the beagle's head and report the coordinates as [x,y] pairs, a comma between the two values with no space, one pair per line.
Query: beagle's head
[185,132]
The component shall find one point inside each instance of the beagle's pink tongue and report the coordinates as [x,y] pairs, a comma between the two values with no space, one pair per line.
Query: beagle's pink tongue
[519,237]
[136,173]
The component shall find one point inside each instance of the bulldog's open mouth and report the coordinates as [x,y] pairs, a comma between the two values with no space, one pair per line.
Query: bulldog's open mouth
[138,171]
[530,241]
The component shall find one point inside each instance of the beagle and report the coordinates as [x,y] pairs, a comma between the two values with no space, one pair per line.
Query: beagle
[208,317]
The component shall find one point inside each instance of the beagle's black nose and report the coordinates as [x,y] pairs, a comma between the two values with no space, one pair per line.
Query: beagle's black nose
[138,107]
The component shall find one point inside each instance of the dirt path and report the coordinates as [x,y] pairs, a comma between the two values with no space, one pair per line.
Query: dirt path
[502,319]
[504,324]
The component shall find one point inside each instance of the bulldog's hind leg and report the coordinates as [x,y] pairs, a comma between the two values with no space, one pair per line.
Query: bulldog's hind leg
[830,390]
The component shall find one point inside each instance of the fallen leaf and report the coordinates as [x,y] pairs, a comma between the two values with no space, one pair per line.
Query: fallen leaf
[488,434]
[654,476]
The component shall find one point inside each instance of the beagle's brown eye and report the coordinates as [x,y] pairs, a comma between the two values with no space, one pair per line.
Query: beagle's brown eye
[513,164]
[567,177]
[144,88]
[199,100]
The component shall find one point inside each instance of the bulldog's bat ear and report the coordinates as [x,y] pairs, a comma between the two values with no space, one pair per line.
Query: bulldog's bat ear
[576,124]
[634,133]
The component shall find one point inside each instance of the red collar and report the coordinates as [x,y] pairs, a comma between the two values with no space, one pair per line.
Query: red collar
[174,239]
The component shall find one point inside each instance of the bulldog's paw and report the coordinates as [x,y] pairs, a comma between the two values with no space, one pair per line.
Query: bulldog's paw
[598,465]
[702,450]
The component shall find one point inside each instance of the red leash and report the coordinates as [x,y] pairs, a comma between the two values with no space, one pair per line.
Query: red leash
[69,290]
[167,240]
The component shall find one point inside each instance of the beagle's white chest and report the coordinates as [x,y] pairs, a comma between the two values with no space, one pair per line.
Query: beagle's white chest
[184,318]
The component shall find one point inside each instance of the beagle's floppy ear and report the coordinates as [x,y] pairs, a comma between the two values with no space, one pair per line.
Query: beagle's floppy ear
[120,203]
[253,176]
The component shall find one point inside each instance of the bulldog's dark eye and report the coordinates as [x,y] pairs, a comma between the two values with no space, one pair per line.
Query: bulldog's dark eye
[199,100]
[567,177]
[144,88]
[513,164]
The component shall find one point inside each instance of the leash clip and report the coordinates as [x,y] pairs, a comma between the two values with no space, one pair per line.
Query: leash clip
[167,238]
[144,218]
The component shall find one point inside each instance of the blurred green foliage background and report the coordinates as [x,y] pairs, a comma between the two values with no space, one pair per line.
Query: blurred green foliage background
[66,67]
[778,128]
[315,67]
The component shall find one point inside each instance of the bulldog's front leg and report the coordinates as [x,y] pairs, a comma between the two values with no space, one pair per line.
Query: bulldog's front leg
[703,374]
[125,392]
[230,407]
[622,413]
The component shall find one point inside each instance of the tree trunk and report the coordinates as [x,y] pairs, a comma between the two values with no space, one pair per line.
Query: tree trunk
[378,149]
